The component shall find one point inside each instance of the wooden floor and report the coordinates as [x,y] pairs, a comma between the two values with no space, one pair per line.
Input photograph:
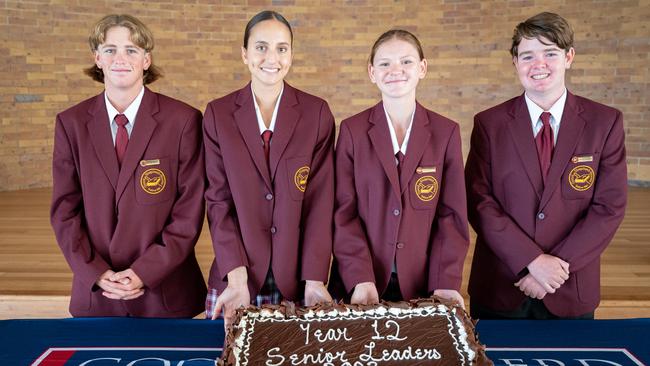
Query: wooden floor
[35,279]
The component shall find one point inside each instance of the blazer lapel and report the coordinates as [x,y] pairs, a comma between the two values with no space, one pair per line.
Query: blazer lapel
[246,121]
[381,142]
[140,135]
[521,130]
[99,131]
[571,128]
[287,119]
[418,141]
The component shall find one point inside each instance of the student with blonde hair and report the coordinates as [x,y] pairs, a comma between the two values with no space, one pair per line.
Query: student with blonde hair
[127,203]
[400,221]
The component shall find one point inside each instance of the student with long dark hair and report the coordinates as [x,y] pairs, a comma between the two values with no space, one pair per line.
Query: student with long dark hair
[269,163]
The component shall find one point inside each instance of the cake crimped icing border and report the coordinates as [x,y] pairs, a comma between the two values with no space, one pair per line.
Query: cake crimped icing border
[459,326]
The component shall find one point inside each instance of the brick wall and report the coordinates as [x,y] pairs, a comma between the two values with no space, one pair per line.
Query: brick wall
[43,50]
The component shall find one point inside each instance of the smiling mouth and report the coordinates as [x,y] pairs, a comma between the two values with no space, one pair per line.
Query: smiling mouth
[271,70]
[540,76]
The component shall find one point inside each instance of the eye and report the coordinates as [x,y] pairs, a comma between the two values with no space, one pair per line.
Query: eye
[526,58]
[260,48]
[131,51]
[109,50]
[406,62]
[283,49]
[383,64]
[551,54]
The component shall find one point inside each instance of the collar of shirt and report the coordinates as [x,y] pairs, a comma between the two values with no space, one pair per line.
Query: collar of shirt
[556,110]
[393,136]
[258,113]
[130,113]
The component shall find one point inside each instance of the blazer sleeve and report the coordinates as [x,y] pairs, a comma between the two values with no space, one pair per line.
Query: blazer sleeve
[351,247]
[450,239]
[318,203]
[497,229]
[591,235]
[184,223]
[67,213]
[222,217]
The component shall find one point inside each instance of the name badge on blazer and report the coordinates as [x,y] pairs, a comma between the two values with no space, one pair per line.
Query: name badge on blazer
[582,159]
[144,163]
[425,169]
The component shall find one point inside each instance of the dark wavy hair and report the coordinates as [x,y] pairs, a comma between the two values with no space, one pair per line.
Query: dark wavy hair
[548,25]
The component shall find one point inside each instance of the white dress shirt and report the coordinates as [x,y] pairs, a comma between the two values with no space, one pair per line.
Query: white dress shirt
[258,113]
[556,115]
[130,113]
[393,135]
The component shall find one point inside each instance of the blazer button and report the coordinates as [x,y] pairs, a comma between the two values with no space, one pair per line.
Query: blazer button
[400,245]
[541,216]
[274,230]
[396,212]
[268,196]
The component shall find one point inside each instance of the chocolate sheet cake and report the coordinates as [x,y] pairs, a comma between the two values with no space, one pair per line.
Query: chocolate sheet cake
[429,331]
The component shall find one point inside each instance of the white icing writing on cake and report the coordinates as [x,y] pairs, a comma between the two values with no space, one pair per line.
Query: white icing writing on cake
[407,354]
[274,358]
[390,337]
[371,357]
[332,334]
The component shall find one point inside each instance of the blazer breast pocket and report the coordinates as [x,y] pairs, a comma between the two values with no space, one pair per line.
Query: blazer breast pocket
[153,181]
[580,176]
[297,171]
[424,187]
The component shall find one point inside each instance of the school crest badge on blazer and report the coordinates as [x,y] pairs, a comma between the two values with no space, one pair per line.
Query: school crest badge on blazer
[153,181]
[581,178]
[300,178]
[426,188]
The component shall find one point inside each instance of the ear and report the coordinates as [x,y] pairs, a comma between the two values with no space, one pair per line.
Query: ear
[423,68]
[569,57]
[96,57]
[243,55]
[370,74]
[147,60]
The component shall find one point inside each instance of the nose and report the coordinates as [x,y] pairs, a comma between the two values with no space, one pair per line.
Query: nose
[396,68]
[119,57]
[272,56]
[539,61]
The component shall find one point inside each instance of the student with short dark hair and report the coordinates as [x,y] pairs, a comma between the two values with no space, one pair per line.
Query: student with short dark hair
[128,173]
[546,184]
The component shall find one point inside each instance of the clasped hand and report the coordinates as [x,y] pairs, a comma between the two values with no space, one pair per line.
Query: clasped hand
[123,285]
[547,273]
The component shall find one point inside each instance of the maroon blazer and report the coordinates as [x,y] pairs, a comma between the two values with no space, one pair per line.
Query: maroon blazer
[278,216]
[517,218]
[146,215]
[418,217]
